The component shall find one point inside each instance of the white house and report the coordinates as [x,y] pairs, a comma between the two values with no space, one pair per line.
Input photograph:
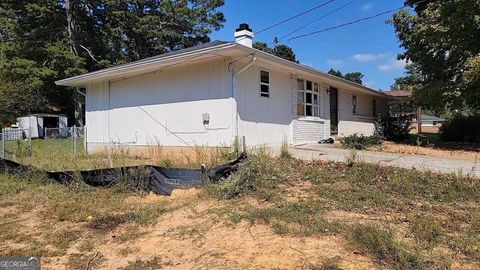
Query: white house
[211,94]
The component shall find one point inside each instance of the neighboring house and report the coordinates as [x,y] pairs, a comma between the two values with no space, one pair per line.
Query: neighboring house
[211,94]
[432,121]
[428,123]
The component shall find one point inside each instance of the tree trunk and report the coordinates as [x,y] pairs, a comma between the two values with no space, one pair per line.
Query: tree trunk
[71,7]
[79,103]
[72,24]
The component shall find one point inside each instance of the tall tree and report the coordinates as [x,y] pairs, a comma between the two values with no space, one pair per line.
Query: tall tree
[410,82]
[355,77]
[48,40]
[442,39]
[282,51]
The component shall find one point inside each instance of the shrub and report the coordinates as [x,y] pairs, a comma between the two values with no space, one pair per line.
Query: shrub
[393,128]
[360,142]
[461,129]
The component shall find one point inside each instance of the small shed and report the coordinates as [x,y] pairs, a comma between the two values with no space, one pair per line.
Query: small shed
[37,123]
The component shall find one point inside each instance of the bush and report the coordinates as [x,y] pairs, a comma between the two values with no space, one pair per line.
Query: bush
[360,142]
[393,128]
[461,129]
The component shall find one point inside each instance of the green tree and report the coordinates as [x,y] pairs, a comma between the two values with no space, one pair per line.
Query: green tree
[442,39]
[411,81]
[355,77]
[48,40]
[282,51]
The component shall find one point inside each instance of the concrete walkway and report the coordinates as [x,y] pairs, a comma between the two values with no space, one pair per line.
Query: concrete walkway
[425,163]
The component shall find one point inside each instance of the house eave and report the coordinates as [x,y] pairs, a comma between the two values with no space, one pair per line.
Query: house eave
[316,72]
[141,66]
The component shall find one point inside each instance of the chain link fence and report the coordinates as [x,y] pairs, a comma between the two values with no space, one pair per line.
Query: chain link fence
[65,141]
[15,143]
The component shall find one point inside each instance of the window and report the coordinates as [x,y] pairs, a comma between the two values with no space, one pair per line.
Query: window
[374,107]
[354,104]
[264,83]
[308,101]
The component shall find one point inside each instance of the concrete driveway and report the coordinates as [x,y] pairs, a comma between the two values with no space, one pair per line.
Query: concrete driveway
[425,163]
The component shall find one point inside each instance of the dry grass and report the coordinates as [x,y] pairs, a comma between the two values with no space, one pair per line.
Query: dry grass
[273,213]
[392,147]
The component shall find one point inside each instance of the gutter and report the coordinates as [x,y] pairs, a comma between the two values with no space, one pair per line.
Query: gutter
[133,66]
[234,92]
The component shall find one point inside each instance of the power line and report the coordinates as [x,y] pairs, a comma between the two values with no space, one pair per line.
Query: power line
[318,19]
[352,22]
[345,24]
[296,16]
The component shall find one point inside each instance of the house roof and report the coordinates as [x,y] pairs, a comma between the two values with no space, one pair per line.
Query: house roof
[426,117]
[398,93]
[44,115]
[197,53]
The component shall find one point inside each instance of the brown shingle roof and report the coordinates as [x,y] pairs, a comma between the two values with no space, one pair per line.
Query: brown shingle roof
[398,93]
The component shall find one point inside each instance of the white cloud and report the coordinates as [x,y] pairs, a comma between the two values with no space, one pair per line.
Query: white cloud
[368,57]
[335,62]
[367,7]
[393,64]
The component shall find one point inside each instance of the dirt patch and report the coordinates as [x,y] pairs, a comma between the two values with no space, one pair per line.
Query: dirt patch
[298,190]
[188,239]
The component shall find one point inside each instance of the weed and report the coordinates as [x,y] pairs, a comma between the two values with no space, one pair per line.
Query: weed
[382,246]
[284,153]
[328,264]
[153,264]
[259,177]
[294,218]
[426,230]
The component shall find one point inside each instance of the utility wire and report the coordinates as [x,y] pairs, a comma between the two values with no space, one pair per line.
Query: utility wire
[296,16]
[352,22]
[318,19]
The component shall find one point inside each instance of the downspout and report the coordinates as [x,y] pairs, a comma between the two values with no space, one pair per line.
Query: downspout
[234,92]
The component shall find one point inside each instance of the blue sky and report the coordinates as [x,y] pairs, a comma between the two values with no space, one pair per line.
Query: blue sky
[370,47]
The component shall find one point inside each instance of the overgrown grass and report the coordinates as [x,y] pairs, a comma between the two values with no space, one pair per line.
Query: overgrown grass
[68,214]
[404,216]
[380,243]
[393,194]
[289,218]
[259,177]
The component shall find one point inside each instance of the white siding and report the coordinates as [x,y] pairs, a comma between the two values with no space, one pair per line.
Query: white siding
[264,121]
[164,108]
[305,131]
[362,121]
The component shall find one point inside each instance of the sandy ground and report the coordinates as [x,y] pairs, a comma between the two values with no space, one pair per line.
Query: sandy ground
[191,237]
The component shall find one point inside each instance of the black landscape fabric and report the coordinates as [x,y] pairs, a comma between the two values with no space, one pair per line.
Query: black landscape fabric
[160,180]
